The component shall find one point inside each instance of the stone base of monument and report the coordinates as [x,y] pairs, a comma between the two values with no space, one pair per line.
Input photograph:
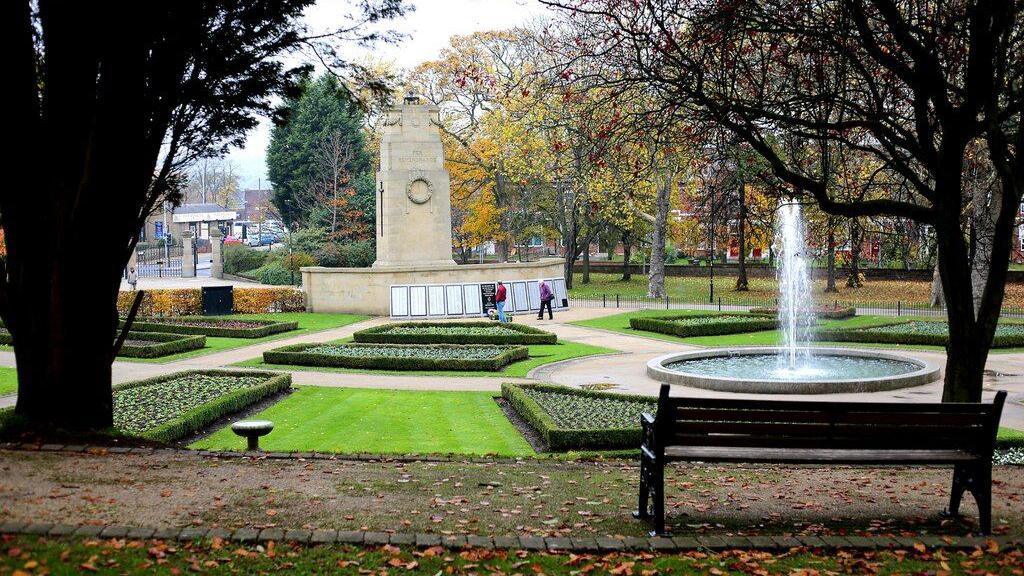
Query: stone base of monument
[369,290]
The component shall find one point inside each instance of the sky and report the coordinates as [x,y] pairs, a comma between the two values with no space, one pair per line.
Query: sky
[427,32]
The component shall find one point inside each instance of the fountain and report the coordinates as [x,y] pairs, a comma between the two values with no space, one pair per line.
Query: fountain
[794,367]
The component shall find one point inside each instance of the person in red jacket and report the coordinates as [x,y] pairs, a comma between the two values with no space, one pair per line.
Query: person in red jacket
[499,301]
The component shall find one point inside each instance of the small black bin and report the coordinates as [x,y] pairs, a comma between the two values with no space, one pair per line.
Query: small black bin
[218,300]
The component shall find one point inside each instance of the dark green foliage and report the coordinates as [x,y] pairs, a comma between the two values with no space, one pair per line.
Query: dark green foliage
[439,357]
[821,312]
[324,109]
[156,344]
[274,274]
[347,255]
[915,332]
[173,406]
[145,344]
[240,258]
[454,333]
[688,325]
[226,327]
[573,419]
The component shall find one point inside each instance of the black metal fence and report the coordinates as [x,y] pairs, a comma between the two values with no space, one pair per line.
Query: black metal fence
[632,302]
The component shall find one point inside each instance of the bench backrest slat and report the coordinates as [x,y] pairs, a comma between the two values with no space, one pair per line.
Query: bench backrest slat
[800,424]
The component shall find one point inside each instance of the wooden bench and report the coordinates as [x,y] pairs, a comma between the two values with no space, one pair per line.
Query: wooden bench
[798,432]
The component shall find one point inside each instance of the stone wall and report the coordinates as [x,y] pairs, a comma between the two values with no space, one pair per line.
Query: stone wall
[368,290]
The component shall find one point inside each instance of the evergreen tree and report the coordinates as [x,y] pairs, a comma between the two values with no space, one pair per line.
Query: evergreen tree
[324,111]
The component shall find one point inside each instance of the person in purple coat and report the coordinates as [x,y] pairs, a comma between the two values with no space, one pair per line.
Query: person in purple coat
[546,296]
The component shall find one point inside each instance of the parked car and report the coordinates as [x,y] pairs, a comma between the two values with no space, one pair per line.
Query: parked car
[265,239]
[232,240]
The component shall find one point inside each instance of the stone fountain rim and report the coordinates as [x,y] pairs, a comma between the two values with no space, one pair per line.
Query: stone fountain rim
[926,373]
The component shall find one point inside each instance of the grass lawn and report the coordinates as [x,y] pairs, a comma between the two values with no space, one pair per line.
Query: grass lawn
[8,380]
[540,354]
[308,322]
[77,555]
[620,323]
[695,289]
[351,420]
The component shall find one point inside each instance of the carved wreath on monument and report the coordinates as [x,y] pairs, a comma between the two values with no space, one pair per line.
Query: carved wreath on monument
[419,190]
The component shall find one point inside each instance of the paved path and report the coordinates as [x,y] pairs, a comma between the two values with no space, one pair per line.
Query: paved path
[625,370]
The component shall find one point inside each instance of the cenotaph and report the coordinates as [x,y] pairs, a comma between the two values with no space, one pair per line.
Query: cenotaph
[414,274]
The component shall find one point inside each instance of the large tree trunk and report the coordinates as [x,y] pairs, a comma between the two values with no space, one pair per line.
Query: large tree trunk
[936,298]
[586,264]
[627,256]
[830,283]
[656,277]
[741,275]
[856,237]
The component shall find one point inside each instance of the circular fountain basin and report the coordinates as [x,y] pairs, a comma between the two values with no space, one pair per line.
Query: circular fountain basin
[762,370]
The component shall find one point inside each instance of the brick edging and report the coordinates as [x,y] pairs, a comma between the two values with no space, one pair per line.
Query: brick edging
[531,543]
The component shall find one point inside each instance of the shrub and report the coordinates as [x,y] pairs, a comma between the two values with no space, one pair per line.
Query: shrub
[213,326]
[454,333]
[261,300]
[573,419]
[240,258]
[352,255]
[398,356]
[156,344]
[189,301]
[307,240]
[297,260]
[170,407]
[915,332]
[689,325]
[829,312]
[273,273]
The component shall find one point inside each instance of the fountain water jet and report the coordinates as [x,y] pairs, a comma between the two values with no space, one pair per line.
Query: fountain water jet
[796,298]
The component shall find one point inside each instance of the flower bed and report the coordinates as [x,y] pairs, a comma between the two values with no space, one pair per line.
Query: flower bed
[454,333]
[573,419]
[917,332]
[828,312]
[213,326]
[156,344]
[689,325]
[399,356]
[170,407]
[144,344]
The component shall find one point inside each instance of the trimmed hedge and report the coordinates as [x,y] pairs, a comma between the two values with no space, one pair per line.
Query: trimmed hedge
[562,439]
[677,326]
[827,312]
[162,344]
[296,355]
[189,301]
[527,334]
[199,417]
[265,328]
[864,334]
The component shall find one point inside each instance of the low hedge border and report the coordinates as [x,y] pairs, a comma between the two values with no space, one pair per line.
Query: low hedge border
[528,334]
[863,335]
[564,439]
[267,327]
[296,355]
[829,313]
[668,325]
[199,417]
[163,344]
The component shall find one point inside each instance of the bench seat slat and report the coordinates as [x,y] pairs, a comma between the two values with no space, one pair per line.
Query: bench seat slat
[823,417]
[819,442]
[816,455]
[823,429]
[680,403]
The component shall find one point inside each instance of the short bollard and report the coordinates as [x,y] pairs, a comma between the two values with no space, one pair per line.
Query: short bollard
[252,430]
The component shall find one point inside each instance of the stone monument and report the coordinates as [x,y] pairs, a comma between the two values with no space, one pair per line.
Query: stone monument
[414,212]
[414,274]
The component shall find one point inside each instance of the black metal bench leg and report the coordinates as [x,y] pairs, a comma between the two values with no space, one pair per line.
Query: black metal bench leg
[642,509]
[981,488]
[960,482]
[658,495]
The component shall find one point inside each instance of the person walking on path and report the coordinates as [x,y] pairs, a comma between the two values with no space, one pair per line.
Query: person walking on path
[499,301]
[133,278]
[545,301]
